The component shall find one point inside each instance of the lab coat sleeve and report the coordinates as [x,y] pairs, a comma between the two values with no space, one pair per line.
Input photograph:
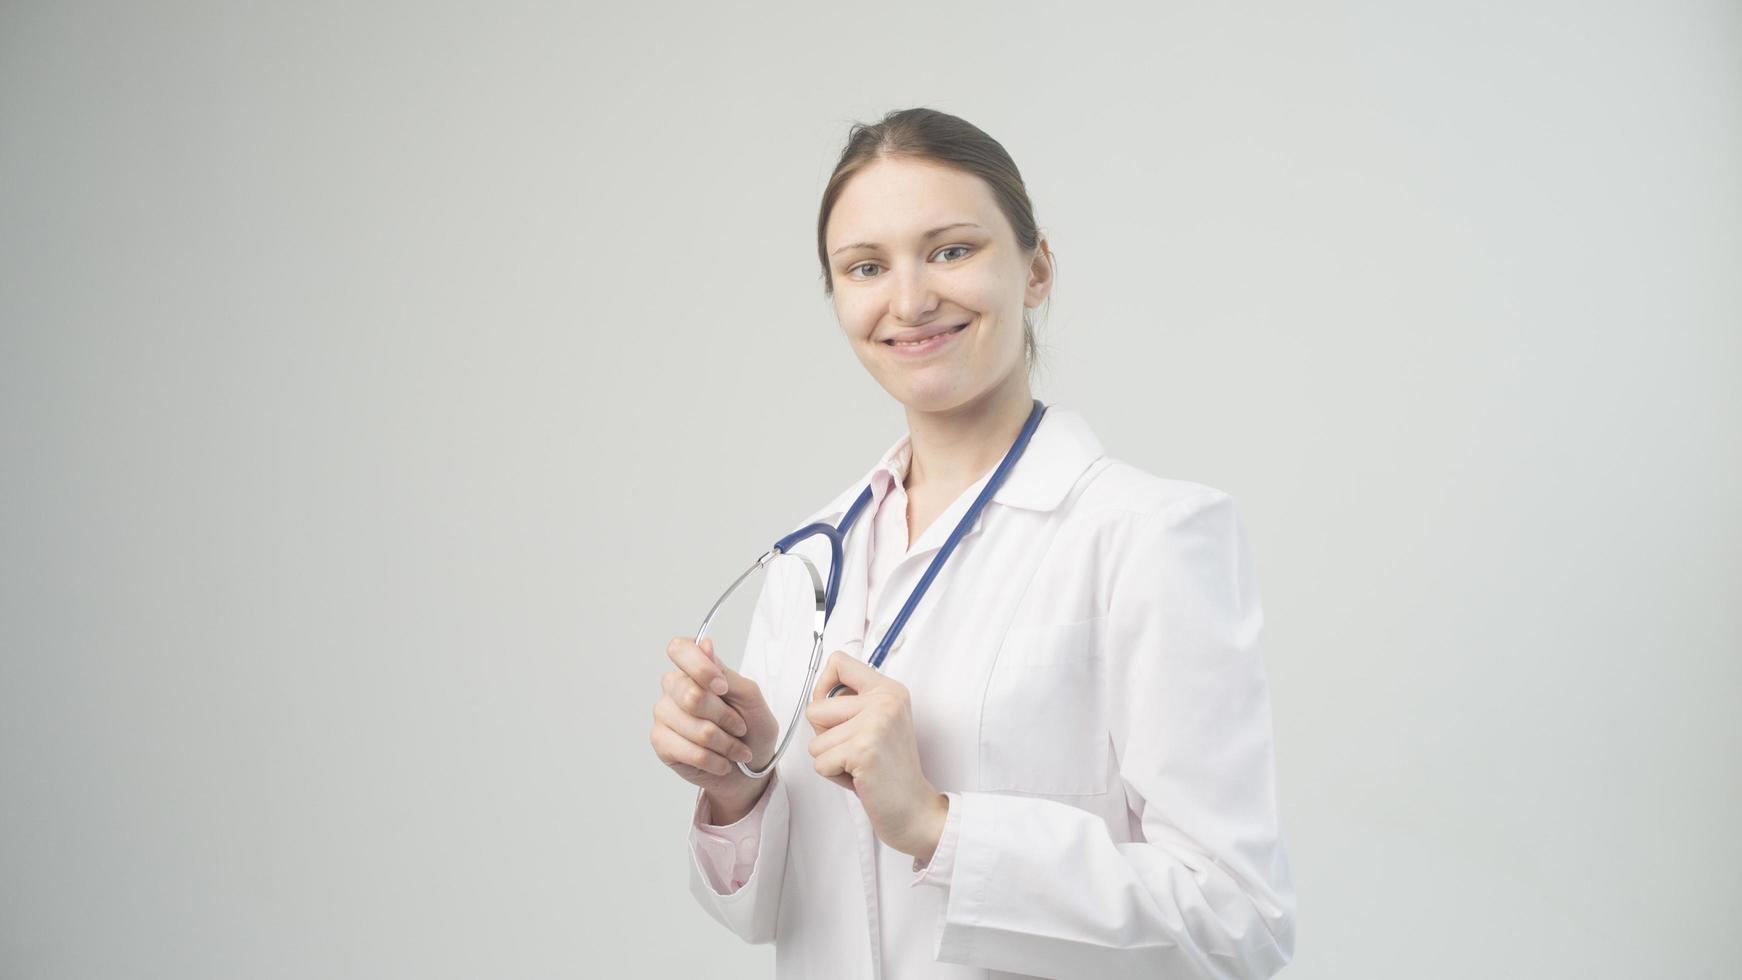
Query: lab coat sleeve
[727,852]
[1041,887]
[751,910]
[937,871]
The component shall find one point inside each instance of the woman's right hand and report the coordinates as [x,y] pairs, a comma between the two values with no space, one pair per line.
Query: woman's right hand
[702,735]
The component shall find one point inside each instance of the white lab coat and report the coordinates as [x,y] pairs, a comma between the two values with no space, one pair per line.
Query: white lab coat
[1086,683]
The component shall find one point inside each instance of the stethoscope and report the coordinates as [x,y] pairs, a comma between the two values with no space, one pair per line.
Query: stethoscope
[825,596]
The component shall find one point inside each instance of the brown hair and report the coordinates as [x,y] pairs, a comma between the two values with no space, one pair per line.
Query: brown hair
[927,134]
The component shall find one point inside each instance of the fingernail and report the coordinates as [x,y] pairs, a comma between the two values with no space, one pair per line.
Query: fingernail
[718,686]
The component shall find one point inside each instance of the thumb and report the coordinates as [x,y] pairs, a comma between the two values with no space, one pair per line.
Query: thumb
[843,668]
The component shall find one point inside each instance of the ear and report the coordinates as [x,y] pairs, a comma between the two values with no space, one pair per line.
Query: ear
[1040,275]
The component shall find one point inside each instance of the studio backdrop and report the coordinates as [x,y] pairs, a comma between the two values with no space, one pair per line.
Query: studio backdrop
[382,386]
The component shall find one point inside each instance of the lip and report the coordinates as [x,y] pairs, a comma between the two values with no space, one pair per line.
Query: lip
[933,341]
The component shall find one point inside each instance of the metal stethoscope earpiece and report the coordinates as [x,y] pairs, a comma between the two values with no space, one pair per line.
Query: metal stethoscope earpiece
[819,621]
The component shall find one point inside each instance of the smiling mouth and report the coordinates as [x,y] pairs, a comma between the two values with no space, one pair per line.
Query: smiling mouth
[921,343]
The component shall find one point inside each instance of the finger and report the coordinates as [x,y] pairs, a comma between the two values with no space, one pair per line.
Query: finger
[842,668]
[691,659]
[828,713]
[829,676]
[700,731]
[674,749]
[688,695]
[737,684]
[743,696]
[837,765]
[829,738]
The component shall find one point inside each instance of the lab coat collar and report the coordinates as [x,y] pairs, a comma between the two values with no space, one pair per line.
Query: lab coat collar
[1062,447]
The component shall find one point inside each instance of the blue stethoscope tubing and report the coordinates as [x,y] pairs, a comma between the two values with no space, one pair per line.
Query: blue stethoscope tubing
[825,596]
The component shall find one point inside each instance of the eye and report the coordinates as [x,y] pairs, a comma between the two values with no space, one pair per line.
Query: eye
[872,265]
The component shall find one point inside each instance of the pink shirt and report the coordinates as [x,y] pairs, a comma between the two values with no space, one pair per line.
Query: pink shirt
[728,853]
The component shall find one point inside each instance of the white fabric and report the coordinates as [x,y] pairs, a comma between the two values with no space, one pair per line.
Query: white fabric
[728,853]
[1087,689]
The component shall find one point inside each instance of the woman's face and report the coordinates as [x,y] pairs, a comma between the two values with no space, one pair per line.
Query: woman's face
[915,249]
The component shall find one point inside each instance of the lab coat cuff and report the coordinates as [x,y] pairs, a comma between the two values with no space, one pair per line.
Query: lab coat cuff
[753,910]
[727,853]
[943,858]
[973,867]
[704,812]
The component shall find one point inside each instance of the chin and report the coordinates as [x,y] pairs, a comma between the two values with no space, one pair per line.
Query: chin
[936,398]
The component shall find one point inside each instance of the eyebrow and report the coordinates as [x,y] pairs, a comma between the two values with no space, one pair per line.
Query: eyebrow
[935,231]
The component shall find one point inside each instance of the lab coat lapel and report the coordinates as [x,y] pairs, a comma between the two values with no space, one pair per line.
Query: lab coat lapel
[848,622]
[865,842]
[846,631]
[1062,447]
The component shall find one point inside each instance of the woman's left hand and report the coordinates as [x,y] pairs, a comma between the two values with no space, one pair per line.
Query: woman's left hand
[865,743]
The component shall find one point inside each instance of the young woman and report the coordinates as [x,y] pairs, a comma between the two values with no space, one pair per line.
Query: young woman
[1063,767]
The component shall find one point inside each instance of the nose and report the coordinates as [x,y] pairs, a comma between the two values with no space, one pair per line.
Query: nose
[914,298]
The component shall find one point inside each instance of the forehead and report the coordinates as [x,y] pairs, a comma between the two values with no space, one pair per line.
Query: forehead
[899,198]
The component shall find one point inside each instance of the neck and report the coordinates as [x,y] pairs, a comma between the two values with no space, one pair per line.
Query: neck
[952,449]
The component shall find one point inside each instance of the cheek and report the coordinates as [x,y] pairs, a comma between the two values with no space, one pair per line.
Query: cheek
[996,293]
[858,319]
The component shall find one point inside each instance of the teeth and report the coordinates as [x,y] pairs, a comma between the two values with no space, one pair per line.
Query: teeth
[916,343]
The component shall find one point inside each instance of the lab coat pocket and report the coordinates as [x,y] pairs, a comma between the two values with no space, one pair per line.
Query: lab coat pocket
[1043,724]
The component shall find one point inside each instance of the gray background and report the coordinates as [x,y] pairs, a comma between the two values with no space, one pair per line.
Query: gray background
[383,385]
